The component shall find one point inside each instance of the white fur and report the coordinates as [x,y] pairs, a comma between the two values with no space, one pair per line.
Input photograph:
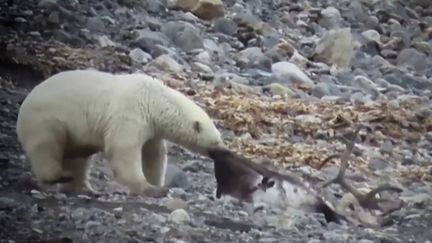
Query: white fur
[74,114]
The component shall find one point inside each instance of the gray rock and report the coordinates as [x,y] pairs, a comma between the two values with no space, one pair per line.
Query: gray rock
[423,112]
[419,198]
[167,63]
[225,26]
[387,147]
[95,228]
[280,52]
[204,57]
[333,98]
[7,203]
[211,45]
[176,177]
[365,241]
[158,218]
[396,42]
[65,37]
[118,212]
[226,79]
[95,24]
[423,46]
[325,88]
[393,104]
[410,58]
[408,81]
[335,47]
[139,56]
[179,216]
[423,3]
[79,213]
[389,54]
[193,166]
[54,17]
[371,36]
[253,57]
[37,194]
[379,62]
[156,7]
[34,33]
[335,236]
[147,40]
[366,85]
[47,3]
[200,67]
[360,98]
[184,35]
[308,119]
[278,89]
[409,160]
[105,41]
[377,163]
[429,136]
[313,241]
[287,72]
[175,203]
[162,50]
[330,18]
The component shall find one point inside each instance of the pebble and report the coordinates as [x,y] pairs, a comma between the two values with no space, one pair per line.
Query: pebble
[377,163]
[105,41]
[372,35]
[139,56]
[167,63]
[305,119]
[278,89]
[184,35]
[118,212]
[200,67]
[287,72]
[176,177]
[47,3]
[95,228]
[335,47]
[331,18]
[176,203]
[412,59]
[7,203]
[179,216]
[387,147]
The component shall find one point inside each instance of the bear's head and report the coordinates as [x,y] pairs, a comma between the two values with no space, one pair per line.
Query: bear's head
[180,120]
[207,137]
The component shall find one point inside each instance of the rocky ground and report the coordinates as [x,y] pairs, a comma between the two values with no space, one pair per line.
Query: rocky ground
[281,78]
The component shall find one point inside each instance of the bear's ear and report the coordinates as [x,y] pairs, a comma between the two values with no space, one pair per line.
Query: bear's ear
[197,126]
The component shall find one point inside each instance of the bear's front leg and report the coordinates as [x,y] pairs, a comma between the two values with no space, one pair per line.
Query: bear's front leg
[79,168]
[125,162]
[154,161]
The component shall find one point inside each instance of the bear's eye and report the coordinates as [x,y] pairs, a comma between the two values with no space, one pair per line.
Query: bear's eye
[197,126]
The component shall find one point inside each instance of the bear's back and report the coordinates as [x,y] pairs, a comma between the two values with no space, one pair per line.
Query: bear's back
[84,83]
[76,101]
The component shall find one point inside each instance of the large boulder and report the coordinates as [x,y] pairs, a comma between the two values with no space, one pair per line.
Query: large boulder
[335,47]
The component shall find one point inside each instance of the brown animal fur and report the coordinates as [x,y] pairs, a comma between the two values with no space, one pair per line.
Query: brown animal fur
[237,176]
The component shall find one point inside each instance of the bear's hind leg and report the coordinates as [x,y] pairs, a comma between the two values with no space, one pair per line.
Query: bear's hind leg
[79,168]
[154,161]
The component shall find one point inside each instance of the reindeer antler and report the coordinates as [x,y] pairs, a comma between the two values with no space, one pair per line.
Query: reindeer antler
[369,200]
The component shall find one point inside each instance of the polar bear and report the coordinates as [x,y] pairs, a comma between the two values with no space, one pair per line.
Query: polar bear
[128,117]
